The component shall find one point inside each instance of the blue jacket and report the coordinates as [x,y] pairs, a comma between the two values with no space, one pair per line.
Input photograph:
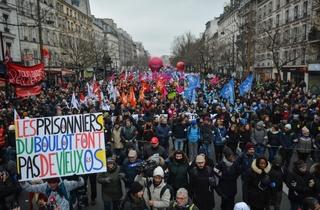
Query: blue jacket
[220,135]
[193,134]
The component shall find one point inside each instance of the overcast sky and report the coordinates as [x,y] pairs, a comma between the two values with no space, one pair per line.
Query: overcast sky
[156,22]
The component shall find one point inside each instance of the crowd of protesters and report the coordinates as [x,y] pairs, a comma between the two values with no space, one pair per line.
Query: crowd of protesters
[268,138]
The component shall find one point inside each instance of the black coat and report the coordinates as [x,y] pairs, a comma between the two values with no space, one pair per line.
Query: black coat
[129,203]
[201,190]
[259,190]
[298,185]
[228,175]
[178,174]
[277,176]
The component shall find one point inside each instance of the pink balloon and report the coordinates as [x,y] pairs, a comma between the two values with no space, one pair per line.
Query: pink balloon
[155,63]
[180,66]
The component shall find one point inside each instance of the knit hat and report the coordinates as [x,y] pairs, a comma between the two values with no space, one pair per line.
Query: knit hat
[288,126]
[154,140]
[158,172]
[241,206]
[135,188]
[249,145]
[200,159]
[260,124]
[11,128]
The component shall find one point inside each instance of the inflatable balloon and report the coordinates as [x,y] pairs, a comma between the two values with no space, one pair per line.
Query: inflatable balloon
[155,64]
[180,66]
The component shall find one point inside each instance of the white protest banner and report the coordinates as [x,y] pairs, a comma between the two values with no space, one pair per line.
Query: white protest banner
[191,116]
[60,146]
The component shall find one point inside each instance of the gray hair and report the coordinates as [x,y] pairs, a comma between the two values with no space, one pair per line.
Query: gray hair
[182,191]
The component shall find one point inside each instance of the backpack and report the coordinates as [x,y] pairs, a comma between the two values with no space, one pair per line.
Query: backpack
[163,190]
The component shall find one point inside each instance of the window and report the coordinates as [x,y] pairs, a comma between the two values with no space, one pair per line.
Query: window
[287,16]
[277,20]
[303,56]
[278,4]
[305,9]
[296,12]
[294,56]
[304,29]
[270,7]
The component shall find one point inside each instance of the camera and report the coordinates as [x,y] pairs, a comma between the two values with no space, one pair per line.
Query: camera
[145,167]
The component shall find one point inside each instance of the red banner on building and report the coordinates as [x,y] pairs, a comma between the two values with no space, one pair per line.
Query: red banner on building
[28,91]
[25,76]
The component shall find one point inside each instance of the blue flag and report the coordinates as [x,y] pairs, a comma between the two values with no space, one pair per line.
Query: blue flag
[246,85]
[227,91]
[193,83]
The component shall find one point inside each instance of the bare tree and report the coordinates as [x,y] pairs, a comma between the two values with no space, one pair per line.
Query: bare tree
[270,42]
[78,53]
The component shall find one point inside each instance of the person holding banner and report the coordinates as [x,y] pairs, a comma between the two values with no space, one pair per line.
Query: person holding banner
[57,191]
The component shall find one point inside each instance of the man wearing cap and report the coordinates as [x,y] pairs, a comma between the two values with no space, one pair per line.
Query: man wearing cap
[202,183]
[112,186]
[134,199]
[286,143]
[300,183]
[155,148]
[163,132]
[259,137]
[304,145]
[156,192]
[129,168]
[244,162]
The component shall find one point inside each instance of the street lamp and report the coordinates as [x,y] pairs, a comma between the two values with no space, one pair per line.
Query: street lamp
[233,47]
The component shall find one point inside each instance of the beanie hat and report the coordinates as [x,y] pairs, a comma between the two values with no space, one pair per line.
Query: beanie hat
[288,126]
[249,145]
[200,158]
[241,206]
[260,124]
[158,172]
[135,188]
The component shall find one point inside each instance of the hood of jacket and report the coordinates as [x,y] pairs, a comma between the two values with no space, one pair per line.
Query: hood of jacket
[258,170]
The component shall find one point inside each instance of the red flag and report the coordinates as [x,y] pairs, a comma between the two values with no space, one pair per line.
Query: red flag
[28,91]
[132,98]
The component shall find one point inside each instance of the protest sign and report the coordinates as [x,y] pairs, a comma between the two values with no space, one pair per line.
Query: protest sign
[191,116]
[60,146]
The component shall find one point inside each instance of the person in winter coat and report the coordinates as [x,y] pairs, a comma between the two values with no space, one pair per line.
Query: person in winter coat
[315,173]
[178,170]
[202,183]
[182,201]
[193,136]
[58,192]
[179,132]
[128,134]
[220,137]
[207,137]
[116,139]
[134,199]
[112,186]
[300,184]
[286,144]
[244,162]
[277,177]
[153,189]
[155,148]
[274,138]
[259,137]
[163,133]
[227,171]
[129,168]
[233,138]
[304,145]
[259,184]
